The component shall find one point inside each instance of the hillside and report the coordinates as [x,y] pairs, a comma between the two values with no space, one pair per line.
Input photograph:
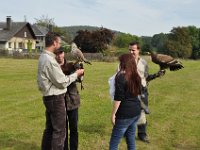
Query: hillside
[72,30]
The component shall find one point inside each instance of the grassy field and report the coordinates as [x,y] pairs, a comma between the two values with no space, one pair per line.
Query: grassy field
[174,101]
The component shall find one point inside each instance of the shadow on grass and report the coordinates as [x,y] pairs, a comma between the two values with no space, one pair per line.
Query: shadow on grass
[17,145]
[185,146]
[93,128]
[15,142]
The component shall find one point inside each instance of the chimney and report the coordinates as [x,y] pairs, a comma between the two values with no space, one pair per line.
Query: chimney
[8,23]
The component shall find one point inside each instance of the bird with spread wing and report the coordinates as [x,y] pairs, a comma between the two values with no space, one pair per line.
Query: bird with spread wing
[165,61]
[76,52]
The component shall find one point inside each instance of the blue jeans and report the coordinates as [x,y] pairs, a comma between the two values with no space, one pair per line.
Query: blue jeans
[124,127]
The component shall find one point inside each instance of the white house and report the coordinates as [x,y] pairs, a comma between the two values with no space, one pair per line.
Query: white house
[17,36]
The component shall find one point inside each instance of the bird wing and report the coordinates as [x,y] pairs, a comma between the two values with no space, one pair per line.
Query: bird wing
[166,61]
[76,52]
[165,58]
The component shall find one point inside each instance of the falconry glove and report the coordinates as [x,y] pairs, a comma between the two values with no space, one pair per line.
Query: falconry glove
[160,73]
[155,75]
[79,79]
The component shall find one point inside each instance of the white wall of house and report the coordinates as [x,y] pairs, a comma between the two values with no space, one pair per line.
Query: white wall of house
[17,43]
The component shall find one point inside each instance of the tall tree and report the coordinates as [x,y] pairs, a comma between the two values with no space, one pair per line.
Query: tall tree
[146,43]
[194,34]
[49,23]
[179,43]
[158,42]
[45,21]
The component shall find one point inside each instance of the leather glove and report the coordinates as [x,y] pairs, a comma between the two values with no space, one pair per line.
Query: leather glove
[160,73]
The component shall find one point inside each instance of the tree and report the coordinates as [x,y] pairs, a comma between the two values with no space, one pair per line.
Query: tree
[158,42]
[194,34]
[29,46]
[122,40]
[179,43]
[45,21]
[94,41]
[146,43]
[49,23]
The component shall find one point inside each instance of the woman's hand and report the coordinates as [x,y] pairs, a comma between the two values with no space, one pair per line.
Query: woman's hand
[113,119]
[114,111]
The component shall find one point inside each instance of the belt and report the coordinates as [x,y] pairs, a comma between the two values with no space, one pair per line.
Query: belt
[50,97]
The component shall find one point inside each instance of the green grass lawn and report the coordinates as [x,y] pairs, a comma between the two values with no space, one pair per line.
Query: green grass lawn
[174,101]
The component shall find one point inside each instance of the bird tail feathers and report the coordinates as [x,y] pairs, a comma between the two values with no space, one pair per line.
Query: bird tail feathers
[175,67]
[87,61]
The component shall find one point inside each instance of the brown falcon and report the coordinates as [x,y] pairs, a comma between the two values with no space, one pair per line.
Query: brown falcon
[76,52]
[165,61]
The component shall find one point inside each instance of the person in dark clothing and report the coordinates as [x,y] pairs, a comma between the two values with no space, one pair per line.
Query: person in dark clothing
[126,105]
[72,101]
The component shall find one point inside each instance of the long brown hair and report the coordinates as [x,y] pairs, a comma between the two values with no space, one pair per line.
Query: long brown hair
[128,65]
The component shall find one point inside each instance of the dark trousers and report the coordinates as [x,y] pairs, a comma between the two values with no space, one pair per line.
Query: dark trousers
[142,129]
[54,133]
[72,123]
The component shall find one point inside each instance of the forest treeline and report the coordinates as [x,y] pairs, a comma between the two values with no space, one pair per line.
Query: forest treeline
[180,42]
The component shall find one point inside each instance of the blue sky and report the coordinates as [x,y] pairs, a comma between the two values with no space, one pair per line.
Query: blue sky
[138,17]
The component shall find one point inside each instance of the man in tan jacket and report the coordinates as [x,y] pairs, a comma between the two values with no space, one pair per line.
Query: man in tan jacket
[53,85]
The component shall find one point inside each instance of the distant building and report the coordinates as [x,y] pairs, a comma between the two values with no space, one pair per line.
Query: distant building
[40,33]
[16,36]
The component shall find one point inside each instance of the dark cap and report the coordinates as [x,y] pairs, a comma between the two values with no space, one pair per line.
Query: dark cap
[60,50]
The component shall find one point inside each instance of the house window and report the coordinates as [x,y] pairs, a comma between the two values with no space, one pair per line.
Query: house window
[9,45]
[20,45]
[25,34]
[39,38]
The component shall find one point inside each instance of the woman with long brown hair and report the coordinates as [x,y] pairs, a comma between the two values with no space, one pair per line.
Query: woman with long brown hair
[126,106]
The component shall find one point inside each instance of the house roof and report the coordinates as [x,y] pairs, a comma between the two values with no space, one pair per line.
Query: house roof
[2,25]
[39,30]
[5,35]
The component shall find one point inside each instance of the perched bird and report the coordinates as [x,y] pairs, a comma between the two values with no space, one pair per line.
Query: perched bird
[165,61]
[76,52]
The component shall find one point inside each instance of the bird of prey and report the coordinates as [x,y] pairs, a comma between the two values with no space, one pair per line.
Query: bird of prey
[76,52]
[165,61]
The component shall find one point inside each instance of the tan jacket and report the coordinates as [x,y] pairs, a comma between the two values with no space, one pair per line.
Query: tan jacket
[50,78]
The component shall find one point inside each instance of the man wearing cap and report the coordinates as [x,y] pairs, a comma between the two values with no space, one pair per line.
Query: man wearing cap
[53,85]
[72,100]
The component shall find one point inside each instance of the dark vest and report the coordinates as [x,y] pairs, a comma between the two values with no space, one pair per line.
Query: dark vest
[72,95]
